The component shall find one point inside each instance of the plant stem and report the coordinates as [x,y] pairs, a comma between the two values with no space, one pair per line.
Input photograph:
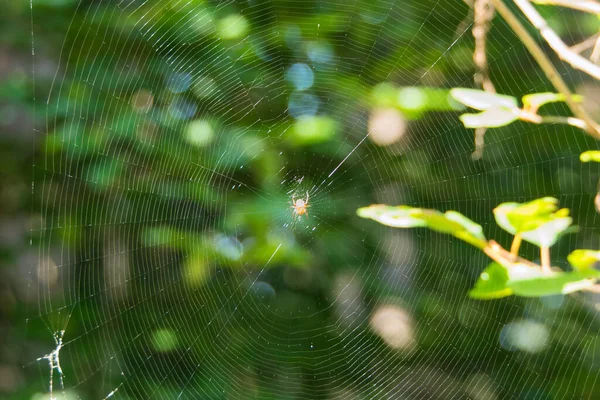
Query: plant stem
[586,44]
[497,253]
[576,122]
[556,42]
[545,256]
[516,244]
[549,70]
[593,289]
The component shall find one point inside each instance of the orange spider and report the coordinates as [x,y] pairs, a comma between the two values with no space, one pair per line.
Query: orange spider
[300,206]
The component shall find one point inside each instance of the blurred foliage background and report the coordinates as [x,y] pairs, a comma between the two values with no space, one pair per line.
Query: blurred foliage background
[150,151]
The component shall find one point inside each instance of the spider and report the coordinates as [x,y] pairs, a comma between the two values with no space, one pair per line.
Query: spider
[300,206]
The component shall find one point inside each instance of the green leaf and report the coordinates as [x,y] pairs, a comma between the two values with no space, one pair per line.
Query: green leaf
[452,222]
[397,217]
[517,218]
[547,234]
[583,259]
[491,118]
[472,233]
[501,216]
[558,283]
[591,155]
[438,222]
[491,283]
[536,100]
[481,100]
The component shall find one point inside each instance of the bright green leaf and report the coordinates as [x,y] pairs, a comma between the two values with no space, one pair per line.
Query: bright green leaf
[547,234]
[481,100]
[491,283]
[491,118]
[438,222]
[583,259]
[472,233]
[536,100]
[558,283]
[452,222]
[531,215]
[591,155]
[397,217]
[501,216]
[516,218]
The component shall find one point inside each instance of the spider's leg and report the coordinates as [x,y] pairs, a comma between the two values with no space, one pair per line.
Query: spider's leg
[307,196]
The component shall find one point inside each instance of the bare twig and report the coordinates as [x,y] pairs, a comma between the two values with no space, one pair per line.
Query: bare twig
[545,258]
[589,6]
[483,14]
[516,244]
[593,289]
[550,71]
[497,253]
[576,122]
[563,51]
[479,143]
[596,52]
[586,44]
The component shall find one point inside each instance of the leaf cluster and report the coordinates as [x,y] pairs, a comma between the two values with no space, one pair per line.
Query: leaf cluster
[539,222]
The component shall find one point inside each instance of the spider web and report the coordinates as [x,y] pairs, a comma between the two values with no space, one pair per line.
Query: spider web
[172,266]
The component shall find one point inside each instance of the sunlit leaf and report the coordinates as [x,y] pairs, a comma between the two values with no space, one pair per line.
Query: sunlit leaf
[482,100]
[583,259]
[557,283]
[438,222]
[397,217]
[536,100]
[547,234]
[491,283]
[491,118]
[531,215]
[501,216]
[591,155]
[452,222]
[522,217]
[472,233]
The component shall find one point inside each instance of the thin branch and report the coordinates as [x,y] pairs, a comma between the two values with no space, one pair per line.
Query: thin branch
[497,253]
[545,258]
[563,51]
[576,122]
[586,44]
[479,143]
[589,6]
[593,289]
[483,14]
[596,52]
[549,70]
[516,244]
